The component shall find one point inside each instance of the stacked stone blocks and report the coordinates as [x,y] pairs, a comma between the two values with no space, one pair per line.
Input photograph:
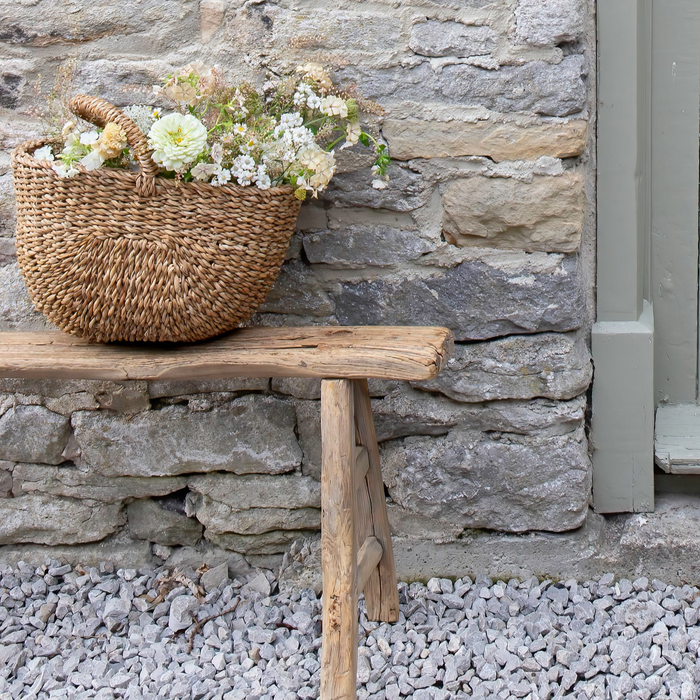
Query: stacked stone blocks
[480,228]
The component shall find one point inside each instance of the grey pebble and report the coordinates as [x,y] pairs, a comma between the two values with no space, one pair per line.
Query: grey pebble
[73,635]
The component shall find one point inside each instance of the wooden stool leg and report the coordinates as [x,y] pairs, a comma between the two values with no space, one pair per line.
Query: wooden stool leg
[338,543]
[381,591]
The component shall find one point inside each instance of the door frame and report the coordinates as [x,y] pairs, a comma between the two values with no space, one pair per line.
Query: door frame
[644,341]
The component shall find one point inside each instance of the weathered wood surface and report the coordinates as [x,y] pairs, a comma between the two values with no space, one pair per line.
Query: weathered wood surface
[677,444]
[367,559]
[385,352]
[382,604]
[364,526]
[338,543]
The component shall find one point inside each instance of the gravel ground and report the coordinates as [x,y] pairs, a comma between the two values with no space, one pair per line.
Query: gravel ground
[97,633]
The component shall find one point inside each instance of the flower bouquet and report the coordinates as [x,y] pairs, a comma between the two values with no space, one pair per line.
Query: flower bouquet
[171,223]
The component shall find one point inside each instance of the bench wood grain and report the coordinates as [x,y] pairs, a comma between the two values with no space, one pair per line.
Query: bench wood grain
[382,352]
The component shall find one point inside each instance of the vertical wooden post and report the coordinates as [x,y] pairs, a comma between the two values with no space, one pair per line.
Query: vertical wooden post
[382,600]
[338,543]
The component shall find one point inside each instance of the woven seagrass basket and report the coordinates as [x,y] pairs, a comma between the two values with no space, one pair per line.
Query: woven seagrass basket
[115,255]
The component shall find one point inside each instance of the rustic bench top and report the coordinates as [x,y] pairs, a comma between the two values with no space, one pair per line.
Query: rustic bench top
[383,352]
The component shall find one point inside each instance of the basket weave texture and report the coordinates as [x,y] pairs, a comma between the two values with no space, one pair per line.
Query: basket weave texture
[115,255]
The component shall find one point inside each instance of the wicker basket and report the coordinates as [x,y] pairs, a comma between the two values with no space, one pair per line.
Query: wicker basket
[115,255]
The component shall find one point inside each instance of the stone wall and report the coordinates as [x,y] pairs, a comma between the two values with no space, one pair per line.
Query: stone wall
[486,227]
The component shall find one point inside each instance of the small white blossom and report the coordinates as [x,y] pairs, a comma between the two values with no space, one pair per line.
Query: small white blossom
[243,169]
[249,145]
[44,153]
[379,184]
[352,134]
[222,176]
[262,179]
[240,129]
[92,160]
[217,152]
[63,170]
[334,106]
[87,138]
[67,128]
[203,171]
[290,120]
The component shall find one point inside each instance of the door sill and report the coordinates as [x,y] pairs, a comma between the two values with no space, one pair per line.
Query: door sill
[677,438]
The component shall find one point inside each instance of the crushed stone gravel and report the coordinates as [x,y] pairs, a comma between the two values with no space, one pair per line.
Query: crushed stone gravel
[148,634]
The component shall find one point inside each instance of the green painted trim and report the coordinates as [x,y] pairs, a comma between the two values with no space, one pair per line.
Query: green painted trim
[623,150]
[674,225]
[622,423]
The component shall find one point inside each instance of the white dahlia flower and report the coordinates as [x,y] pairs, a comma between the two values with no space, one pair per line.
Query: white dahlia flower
[177,140]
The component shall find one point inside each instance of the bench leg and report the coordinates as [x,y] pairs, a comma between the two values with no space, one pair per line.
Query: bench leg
[381,591]
[338,544]
[356,551]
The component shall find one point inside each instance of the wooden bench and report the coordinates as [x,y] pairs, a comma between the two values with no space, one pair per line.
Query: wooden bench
[355,540]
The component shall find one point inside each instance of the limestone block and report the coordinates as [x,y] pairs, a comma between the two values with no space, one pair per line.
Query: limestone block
[211,17]
[74,483]
[405,190]
[274,542]
[258,490]
[7,202]
[546,214]
[295,292]
[33,434]
[6,479]
[11,85]
[53,520]
[362,246]
[550,23]
[371,35]
[7,249]
[253,434]
[148,521]
[312,216]
[309,428]
[405,523]
[434,38]
[219,517]
[39,24]
[406,412]
[555,90]
[160,388]
[477,299]
[420,138]
[310,388]
[552,365]
[410,412]
[17,313]
[502,482]
[120,550]
[122,81]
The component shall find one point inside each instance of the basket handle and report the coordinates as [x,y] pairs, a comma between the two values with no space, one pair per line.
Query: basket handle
[100,112]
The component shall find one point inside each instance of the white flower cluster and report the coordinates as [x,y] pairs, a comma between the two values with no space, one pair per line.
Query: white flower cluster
[221,135]
[143,116]
[306,97]
[89,148]
[289,138]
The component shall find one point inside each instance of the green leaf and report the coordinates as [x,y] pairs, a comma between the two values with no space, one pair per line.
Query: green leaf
[364,139]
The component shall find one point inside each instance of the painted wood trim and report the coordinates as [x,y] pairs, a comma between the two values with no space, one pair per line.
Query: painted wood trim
[622,158]
[622,423]
[674,201]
